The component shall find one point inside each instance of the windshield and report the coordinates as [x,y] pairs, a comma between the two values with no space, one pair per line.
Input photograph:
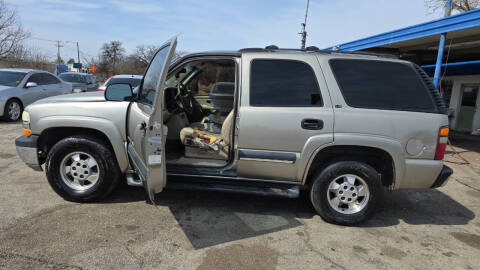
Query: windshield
[179,75]
[10,78]
[73,78]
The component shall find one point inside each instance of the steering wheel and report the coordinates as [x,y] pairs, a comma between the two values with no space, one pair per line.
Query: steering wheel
[184,99]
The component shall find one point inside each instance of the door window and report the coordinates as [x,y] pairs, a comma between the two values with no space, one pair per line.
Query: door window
[49,79]
[469,96]
[153,76]
[37,78]
[281,83]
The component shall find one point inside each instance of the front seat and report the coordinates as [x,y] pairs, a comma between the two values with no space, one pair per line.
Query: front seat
[203,139]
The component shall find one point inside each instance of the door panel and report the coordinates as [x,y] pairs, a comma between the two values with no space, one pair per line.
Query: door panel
[146,132]
[52,86]
[272,139]
[137,119]
[33,94]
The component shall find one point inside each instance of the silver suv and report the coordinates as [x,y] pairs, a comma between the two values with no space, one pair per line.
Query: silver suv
[341,126]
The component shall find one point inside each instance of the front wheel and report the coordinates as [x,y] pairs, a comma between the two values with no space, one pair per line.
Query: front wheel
[12,111]
[346,192]
[81,169]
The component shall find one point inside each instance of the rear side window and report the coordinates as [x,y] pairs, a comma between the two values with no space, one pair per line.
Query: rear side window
[281,83]
[382,85]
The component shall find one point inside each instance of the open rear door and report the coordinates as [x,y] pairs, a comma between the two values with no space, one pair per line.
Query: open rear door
[150,152]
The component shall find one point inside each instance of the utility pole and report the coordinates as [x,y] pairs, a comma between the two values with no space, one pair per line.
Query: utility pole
[303,33]
[78,57]
[59,59]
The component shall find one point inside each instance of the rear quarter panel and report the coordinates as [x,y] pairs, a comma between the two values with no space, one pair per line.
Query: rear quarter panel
[409,137]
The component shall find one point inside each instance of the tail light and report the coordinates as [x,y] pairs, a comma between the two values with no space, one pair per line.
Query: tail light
[100,90]
[441,142]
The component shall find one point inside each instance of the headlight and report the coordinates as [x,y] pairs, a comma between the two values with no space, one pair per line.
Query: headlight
[26,116]
[77,90]
[26,124]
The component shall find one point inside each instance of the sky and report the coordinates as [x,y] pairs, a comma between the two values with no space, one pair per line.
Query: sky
[209,25]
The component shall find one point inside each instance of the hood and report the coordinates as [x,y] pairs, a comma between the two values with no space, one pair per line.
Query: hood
[80,97]
[4,87]
[78,85]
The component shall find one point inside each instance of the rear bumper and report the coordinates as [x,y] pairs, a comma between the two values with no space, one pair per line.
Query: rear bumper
[442,178]
[28,152]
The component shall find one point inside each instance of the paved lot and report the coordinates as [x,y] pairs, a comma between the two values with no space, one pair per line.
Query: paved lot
[431,229]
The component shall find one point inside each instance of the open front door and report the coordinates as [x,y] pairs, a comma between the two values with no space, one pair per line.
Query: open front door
[146,142]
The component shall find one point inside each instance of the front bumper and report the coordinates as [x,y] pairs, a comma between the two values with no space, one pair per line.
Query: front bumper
[28,152]
[2,106]
[442,178]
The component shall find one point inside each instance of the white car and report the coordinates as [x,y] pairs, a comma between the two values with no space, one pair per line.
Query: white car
[133,80]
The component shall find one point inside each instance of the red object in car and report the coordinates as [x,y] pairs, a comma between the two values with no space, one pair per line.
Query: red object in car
[100,90]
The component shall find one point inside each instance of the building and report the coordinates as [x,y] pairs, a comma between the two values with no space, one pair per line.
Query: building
[459,74]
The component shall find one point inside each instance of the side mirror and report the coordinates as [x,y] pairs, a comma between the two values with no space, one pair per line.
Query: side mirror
[31,84]
[118,92]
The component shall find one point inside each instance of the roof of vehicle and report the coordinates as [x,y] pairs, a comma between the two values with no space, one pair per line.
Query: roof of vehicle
[78,73]
[128,76]
[26,70]
[275,49]
[313,49]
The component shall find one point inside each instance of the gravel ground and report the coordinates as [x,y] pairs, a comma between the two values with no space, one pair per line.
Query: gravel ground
[427,229]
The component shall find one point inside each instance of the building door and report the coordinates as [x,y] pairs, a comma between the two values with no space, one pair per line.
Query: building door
[468,108]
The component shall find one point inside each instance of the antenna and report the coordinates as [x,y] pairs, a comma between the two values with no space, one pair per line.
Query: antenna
[303,33]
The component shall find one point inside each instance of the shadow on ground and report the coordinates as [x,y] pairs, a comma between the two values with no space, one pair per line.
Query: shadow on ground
[466,141]
[420,207]
[211,218]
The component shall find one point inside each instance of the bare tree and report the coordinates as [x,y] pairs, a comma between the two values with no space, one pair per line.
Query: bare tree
[11,30]
[27,57]
[145,53]
[111,53]
[458,5]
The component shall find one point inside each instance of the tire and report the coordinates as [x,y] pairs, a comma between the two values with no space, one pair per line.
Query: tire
[103,173]
[13,110]
[339,201]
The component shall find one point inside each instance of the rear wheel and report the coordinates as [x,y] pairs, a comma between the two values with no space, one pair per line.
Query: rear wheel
[81,169]
[346,192]
[13,110]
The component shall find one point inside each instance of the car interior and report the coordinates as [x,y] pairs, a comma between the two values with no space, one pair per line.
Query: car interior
[199,113]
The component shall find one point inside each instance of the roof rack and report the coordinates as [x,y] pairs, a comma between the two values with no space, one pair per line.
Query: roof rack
[383,55]
[274,48]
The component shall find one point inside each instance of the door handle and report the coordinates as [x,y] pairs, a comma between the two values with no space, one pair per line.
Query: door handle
[143,127]
[312,124]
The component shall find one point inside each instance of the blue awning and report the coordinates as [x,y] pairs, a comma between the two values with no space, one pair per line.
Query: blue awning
[455,23]
[455,69]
